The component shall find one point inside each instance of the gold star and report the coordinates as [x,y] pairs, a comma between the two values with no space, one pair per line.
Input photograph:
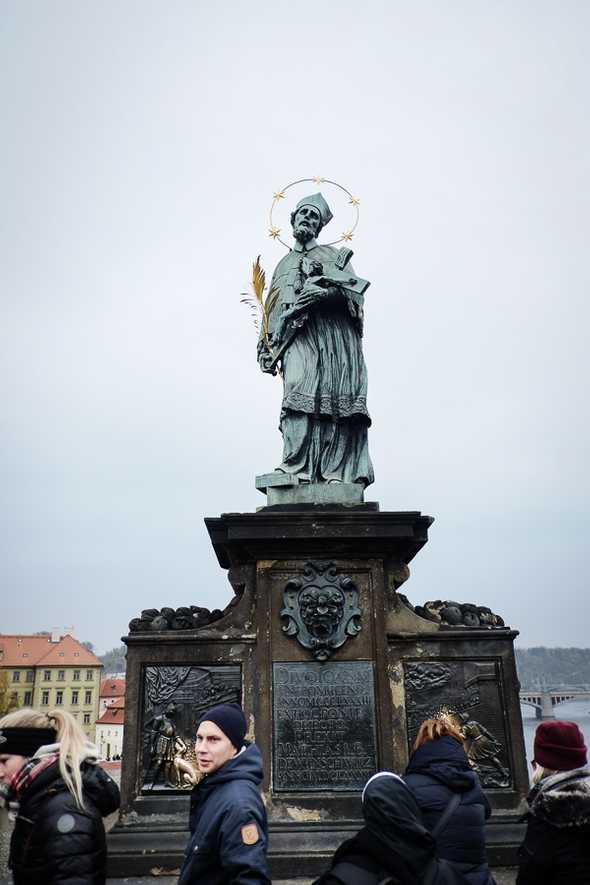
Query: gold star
[274,232]
[279,195]
[355,201]
[347,235]
[318,179]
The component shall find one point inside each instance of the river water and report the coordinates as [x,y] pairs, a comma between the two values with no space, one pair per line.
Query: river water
[573,711]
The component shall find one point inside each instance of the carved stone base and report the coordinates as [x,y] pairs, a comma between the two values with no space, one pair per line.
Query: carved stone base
[334,673]
[347,493]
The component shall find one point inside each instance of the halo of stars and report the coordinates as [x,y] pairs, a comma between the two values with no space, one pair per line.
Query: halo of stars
[346,236]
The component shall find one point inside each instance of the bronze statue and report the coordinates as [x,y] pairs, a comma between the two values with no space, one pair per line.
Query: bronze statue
[314,331]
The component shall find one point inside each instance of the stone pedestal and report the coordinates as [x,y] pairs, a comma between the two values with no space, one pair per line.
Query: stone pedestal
[335,673]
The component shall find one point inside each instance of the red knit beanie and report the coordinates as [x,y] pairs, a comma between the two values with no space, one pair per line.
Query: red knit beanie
[559,746]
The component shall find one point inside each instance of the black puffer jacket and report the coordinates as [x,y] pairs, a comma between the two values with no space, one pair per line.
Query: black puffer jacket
[556,848]
[437,770]
[54,841]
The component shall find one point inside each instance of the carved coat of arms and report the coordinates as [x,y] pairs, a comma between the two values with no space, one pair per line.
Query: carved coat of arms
[321,609]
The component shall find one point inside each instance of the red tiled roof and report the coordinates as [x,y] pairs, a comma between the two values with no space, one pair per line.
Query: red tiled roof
[33,651]
[112,716]
[118,703]
[112,688]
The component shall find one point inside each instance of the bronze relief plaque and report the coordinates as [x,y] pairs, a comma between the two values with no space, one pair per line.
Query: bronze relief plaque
[324,734]
[470,691]
[174,699]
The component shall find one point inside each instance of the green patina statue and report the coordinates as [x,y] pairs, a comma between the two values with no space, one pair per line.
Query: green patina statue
[314,330]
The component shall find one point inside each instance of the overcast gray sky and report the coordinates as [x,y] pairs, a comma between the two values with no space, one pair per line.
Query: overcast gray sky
[141,146]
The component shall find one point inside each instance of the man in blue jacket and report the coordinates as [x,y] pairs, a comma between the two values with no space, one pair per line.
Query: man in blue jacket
[227,818]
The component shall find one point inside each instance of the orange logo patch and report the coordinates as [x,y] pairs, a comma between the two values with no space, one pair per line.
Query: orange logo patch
[250,834]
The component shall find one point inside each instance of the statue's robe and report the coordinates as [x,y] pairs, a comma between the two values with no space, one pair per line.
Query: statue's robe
[324,416]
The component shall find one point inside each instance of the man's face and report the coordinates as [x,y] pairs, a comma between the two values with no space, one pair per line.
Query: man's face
[9,765]
[213,747]
[306,224]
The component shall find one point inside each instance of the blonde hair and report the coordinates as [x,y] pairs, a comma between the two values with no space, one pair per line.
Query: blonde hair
[433,729]
[539,773]
[73,743]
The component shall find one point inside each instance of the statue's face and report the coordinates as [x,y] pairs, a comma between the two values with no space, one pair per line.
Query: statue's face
[306,223]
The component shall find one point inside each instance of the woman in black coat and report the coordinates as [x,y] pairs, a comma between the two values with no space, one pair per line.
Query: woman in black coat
[49,776]
[438,770]
[394,846]
[556,848]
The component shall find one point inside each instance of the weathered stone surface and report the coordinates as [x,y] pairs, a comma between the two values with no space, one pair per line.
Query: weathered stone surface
[347,493]
[365,533]
[276,478]
[448,613]
[187,618]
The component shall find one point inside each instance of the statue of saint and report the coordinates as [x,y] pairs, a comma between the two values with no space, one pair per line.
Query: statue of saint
[315,328]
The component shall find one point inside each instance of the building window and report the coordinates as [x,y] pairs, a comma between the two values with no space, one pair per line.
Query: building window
[86,718]
[75,694]
[46,675]
[44,698]
[59,697]
[28,698]
[16,675]
[89,675]
[76,654]
[76,676]
[30,676]
[61,675]
[88,697]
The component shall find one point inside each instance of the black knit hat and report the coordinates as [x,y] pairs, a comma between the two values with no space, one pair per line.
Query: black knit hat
[16,741]
[230,719]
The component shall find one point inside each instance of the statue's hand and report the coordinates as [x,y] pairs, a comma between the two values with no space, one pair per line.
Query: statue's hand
[310,294]
[265,359]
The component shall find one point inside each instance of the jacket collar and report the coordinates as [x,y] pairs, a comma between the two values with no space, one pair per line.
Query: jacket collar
[563,799]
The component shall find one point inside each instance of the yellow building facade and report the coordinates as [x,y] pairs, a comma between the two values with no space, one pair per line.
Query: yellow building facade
[52,672]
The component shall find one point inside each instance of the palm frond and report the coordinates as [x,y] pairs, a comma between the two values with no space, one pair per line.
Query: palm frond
[271,299]
[267,308]
[259,306]
[258,280]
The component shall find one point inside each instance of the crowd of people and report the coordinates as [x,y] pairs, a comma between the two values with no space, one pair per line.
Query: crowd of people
[425,827]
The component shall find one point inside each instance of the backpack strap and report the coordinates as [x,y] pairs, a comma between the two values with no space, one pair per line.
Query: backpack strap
[446,815]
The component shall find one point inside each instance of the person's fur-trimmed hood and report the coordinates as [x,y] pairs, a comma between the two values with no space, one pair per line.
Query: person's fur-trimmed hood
[563,799]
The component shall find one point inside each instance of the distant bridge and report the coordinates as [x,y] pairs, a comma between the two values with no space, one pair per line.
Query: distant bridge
[545,700]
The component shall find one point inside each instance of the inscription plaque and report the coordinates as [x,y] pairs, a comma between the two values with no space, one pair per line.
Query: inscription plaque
[324,726]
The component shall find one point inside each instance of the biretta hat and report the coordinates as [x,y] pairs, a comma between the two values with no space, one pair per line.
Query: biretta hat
[318,202]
